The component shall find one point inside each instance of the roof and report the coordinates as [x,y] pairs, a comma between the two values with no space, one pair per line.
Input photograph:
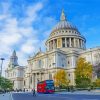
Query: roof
[64,24]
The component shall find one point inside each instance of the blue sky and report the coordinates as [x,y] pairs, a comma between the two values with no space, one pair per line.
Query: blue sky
[26,24]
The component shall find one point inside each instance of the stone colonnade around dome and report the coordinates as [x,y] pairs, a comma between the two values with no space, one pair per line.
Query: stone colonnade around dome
[67,42]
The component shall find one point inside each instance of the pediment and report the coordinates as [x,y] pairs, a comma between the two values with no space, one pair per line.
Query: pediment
[39,54]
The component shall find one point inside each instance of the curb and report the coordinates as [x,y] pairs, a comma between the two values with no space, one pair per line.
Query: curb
[78,93]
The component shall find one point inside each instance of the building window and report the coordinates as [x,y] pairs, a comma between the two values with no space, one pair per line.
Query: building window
[24,82]
[68,62]
[62,65]
[39,63]
[31,80]
[50,76]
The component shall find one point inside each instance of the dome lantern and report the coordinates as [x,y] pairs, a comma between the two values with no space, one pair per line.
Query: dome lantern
[62,17]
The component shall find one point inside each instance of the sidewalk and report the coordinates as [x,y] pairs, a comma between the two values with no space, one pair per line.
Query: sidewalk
[6,96]
[81,92]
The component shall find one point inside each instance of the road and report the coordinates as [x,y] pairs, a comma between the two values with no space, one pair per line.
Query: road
[28,96]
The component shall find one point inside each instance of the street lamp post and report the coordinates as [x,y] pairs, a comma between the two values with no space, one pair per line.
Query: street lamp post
[1,66]
[1,71]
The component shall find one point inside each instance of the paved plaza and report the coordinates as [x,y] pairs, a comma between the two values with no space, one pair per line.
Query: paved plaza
[6,96]
[79,95]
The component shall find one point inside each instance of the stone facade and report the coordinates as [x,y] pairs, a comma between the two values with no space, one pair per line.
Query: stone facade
[15,73]
[64,45]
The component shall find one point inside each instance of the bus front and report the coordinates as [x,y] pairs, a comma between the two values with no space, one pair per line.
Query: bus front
[50,86]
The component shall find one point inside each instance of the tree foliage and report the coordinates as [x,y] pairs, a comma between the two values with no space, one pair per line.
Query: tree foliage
[61,79]
[97,83]
[83,73]
[5,83]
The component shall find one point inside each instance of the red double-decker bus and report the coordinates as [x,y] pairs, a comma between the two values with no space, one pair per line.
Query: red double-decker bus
[46,86]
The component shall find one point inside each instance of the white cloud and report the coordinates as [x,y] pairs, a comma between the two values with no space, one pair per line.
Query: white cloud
[22,59]
[30,46]
[11,39]
[4,50]
[31,10]
[27,31]
[2,17]
[13,31]
[31,14]
[18,33]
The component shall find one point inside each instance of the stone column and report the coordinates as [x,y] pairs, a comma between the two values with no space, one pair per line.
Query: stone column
[70,42]
[53,44]
[78,42]
[41,76]
[74,42]
[81,43]
[65,42]
[49,45]
[33,80]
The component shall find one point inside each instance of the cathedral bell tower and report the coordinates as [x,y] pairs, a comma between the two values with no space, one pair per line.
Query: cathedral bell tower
[13,60]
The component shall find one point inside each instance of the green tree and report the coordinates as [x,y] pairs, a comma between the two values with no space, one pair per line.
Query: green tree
[83,73]
[5,83]
[61,79]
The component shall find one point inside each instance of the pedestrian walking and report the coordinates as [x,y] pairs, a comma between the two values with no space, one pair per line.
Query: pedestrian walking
[33,90]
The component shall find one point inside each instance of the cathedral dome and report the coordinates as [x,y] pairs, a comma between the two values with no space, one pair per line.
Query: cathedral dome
[64,24]
[66,36]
